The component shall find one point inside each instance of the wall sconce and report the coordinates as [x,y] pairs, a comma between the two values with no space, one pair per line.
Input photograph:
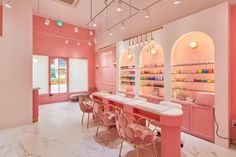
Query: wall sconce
[153,51]
[97,66]
[193,44]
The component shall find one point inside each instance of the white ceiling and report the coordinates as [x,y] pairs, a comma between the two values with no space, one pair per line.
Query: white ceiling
[161,13]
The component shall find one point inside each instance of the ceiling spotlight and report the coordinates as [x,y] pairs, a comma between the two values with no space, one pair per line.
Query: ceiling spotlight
[89,43]
[47,22]
[91,33]
[176,2]
[193,44]
[66,41]
[110,32]
[8,4]
[123,26]
[147,13]
[78,43]
[118,6]
[76,29]
[94,40]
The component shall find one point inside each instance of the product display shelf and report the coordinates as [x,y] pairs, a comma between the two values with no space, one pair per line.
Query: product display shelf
[194,64]
[192,82]
[188,79]
[127,79]
[193,90]
[152,80]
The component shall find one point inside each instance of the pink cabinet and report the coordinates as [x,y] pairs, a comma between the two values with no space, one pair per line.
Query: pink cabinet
[186,118]
[202,122]
[198,120]
[186,107]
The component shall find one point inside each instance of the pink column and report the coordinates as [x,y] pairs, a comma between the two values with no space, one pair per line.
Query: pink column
[170,136]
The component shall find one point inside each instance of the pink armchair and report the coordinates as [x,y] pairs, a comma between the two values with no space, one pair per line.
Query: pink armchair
[106,119]
[135,132]
[86,107]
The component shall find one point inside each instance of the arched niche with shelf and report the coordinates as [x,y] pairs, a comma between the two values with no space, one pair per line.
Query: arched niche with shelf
[192,58]
[127,72]
[152,70]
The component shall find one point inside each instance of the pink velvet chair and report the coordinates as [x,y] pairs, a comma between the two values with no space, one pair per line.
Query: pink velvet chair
[106,119]
[133,129]
[86,107]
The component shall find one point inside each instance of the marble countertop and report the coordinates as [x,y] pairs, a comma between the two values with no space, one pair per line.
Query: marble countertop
[146,106]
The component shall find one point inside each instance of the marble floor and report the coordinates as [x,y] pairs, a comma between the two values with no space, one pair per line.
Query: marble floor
[59,133]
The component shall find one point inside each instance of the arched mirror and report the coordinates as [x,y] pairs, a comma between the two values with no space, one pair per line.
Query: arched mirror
[58,80]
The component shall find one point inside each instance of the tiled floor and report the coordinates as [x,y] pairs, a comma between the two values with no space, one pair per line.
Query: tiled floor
[59,133]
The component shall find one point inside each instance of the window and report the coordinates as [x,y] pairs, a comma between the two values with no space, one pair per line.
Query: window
[58,82]
[78,75]
[40,73]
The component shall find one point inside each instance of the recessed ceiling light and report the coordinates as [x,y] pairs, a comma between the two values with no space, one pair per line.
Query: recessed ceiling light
[89,43]
[94,40]
[176,2]
[66,41]
[78,43]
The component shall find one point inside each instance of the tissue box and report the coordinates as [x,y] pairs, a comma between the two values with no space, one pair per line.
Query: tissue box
[204,98]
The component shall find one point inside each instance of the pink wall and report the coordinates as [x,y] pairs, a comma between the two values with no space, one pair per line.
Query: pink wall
[1,14]
[106,71]
[233,68]
[50,41]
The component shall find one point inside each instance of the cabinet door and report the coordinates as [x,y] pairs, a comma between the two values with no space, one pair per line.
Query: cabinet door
[186,118]
[202,122]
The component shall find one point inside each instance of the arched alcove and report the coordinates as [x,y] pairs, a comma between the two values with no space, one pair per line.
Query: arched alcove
[127,72]
[152,70]
[192,59]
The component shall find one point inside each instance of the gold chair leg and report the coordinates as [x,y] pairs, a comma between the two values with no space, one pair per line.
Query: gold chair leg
[154,148]
[97,130]
[82,118]
[88,120]
[137,153]
[121,146]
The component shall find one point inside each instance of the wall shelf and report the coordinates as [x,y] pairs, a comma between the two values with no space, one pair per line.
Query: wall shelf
[193,90]
[191,82]
[193,64]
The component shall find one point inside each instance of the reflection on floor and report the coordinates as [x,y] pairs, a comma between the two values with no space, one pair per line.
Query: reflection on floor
[59,133]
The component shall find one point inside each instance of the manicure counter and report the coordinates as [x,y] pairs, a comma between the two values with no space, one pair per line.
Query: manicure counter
[167,118]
